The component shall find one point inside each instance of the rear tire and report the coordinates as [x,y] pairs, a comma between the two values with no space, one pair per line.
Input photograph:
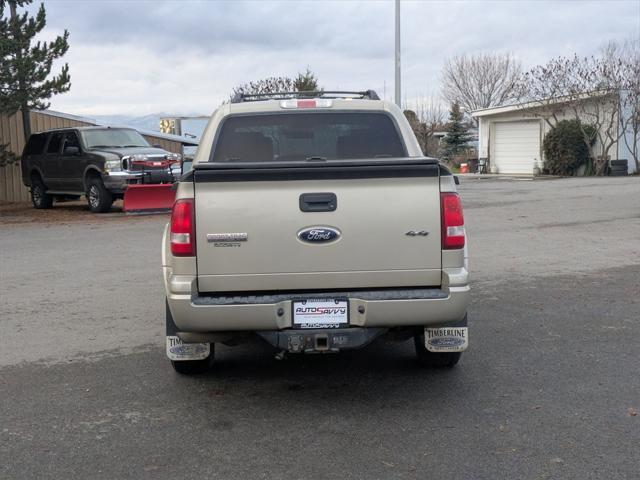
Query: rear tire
[194,367]
[98,197]
[187,367]
[434,359]
[39,196]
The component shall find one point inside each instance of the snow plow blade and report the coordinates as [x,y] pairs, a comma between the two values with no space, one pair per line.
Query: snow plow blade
[153,198]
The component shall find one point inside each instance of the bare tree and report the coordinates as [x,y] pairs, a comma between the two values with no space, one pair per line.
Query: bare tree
[588,89]
[265,85]
[304,82]
[481,81]
[431,112]
[426,118]
[630,99]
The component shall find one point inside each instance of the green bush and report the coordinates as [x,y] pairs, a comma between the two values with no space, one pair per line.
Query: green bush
[565,148]
[6,157]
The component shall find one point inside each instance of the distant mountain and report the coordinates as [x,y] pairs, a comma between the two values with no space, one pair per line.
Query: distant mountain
[192,127]
[145,122]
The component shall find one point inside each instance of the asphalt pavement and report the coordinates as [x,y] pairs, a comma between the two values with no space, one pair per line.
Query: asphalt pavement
[549,388]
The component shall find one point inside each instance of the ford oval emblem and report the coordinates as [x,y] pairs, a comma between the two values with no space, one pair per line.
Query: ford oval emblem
[188,349]
[446,342]
[319,234]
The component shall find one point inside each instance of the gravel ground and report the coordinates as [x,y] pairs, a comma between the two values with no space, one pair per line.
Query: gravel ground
[548,389]
[62,214]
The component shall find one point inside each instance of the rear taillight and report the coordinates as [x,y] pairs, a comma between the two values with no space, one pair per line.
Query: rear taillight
[452,221]
[183,241]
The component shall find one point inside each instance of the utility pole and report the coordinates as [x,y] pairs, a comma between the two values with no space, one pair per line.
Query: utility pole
[398,89]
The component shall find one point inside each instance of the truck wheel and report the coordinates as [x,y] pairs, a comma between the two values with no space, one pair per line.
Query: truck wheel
[434,359]
[194,367]
[39,196]
[187,367]
[98,197]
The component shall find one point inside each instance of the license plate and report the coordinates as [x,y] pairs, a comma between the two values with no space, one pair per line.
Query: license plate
[446,339]
[320,313]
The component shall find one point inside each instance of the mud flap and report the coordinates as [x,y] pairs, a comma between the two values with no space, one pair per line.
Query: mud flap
[450,338]
[176,349]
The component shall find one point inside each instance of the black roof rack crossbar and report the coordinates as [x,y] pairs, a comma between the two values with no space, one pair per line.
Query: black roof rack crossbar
[254,97]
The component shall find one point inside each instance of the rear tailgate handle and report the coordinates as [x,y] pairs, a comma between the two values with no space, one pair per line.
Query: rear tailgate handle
[318,202]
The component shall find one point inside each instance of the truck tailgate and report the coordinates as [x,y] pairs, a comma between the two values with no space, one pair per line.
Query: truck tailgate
[388,232]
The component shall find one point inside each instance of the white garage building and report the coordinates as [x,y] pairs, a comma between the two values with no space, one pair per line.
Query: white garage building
[510,138]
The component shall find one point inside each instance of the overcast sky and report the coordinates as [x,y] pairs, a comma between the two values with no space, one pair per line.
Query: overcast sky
[184,57]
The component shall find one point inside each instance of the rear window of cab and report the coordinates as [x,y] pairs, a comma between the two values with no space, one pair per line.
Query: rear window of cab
[283,137]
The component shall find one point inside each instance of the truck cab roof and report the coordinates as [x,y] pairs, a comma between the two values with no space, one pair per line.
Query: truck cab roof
[306,103]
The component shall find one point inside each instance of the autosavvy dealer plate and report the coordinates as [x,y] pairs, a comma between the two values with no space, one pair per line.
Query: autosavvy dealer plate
[320,313]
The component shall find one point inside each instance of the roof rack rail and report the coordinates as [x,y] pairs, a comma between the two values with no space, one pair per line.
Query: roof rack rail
[254,97]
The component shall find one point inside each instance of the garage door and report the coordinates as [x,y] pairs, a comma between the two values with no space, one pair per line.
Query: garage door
[516,147]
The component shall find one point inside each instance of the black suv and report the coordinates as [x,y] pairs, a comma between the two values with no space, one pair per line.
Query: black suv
[99,162]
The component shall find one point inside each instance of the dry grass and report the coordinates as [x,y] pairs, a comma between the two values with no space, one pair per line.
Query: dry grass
[62,213]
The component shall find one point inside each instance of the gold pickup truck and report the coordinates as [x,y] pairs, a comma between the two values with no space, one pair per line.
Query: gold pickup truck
[315,222]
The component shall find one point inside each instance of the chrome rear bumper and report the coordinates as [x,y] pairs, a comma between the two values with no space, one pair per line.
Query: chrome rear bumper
[383,308]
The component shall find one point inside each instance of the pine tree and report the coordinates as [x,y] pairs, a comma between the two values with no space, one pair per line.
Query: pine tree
[455,141]
[306,82]
[25,64]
